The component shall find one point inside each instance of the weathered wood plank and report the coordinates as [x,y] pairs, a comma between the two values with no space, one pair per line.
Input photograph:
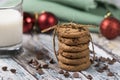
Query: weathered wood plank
[44,43]
[110,46]
[21,73]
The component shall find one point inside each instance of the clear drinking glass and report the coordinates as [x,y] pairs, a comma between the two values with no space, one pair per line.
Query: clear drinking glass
[11,26]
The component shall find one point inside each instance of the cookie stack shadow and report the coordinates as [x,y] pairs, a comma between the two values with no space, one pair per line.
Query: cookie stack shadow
[73,43]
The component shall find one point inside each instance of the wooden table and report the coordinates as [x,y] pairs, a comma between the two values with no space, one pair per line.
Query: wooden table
[43,43]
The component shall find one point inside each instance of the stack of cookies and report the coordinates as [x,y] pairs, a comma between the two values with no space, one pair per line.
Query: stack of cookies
[73,52]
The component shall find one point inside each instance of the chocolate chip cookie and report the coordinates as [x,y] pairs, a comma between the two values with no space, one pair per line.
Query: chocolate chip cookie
[76,48]
[72,31]
[73,61]
[75,55]
[74,67]
[75,41]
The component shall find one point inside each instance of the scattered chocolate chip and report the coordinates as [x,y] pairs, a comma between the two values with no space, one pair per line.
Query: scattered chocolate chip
[45,65]
[51,61]
[97,65]
[96,58]
[105,67]
[40,71]
[13,70]
[76,75]
[114,60]
[110,74]
[89,77]
[110,62]
[4,68]
[35,62]
[61,72]
[30,62]
[66,74]
[100,70]
[38,66]
[102,59]
[91,61]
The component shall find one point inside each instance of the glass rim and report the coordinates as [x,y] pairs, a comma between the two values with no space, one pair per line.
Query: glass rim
[10,7]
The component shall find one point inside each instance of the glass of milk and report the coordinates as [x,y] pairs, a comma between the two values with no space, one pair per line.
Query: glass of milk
[11,24]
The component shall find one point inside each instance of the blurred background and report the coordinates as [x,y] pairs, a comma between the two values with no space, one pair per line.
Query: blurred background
[78,11]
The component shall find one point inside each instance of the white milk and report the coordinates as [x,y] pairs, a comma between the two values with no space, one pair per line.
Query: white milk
[11,23]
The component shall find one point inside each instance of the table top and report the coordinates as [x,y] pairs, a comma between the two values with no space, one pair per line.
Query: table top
[41,46]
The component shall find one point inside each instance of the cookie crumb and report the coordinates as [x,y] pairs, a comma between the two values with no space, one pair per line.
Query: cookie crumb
[76,75]
[61,72]
[4,68]
[66,74]
[13,70]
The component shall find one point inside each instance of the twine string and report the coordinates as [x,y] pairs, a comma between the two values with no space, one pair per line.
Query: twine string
[54,34]
[92,48]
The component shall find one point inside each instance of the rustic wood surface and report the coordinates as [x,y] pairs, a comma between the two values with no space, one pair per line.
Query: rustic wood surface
[43,43]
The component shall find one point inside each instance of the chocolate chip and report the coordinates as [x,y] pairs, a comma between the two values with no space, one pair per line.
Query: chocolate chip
[4,68]
[100,70]
[13,70]
[40,71]
[30,62]
[97,65]
[114,60]
[110,62]
[76,75]
[66,74]
[102,59]
[38,66]
[105,67]
[96,58]
[51,61]
[89,77]
[108,59]
[91,61]
[110,74]
[35,62]
[45,65]
[61,72]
